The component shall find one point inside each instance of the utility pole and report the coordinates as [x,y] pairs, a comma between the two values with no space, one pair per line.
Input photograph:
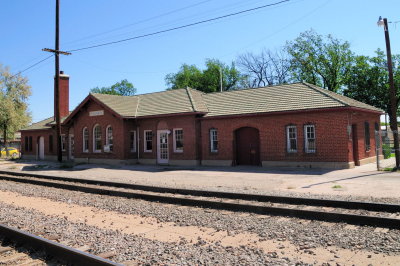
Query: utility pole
[393,97]
[57,53]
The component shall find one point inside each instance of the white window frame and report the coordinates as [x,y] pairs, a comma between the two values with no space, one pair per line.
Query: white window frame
[306,139]
[108,138]
[213,133]
[145,140]
[63,142]
[174,137]
[288,138]
[84,139]
[94,138]
[133,148]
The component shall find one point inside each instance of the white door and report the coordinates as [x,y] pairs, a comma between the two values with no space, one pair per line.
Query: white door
[162,146]
[41,148]
[71,147]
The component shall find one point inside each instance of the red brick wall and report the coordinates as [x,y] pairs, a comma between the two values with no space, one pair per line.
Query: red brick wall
[36,134]
[359,119]
[82,120]
[187,123]
[332,140]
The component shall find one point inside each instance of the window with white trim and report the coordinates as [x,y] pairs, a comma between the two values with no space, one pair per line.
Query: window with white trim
[97,138]
[178,140]
[148,140]
[109,137]
[85,138]
[291,135]
[367,137]
[213,140]
[132,141]
[63,142]
[309,138]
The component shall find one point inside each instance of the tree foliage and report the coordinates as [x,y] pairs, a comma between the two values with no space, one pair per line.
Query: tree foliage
[207,80]
[123,88]
[368,80]
[265,69]
[14,93]
[323,61]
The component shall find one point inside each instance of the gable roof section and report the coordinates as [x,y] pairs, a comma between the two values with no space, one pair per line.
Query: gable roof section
[125,106]
[40,125]
[279,98]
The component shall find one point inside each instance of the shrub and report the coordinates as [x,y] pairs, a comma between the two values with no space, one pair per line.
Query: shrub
[386,151]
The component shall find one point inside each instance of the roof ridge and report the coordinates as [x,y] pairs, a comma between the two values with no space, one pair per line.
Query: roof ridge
[325,93]
[191,99]
[137,107]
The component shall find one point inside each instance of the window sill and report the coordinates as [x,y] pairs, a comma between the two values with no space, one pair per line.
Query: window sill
[179,151]
[132,151]
[97,151]
[148,151]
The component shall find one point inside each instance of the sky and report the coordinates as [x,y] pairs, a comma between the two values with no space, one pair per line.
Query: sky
[29,26]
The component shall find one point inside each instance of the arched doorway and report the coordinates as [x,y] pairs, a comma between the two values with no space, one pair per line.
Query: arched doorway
[247,146]
[41,148]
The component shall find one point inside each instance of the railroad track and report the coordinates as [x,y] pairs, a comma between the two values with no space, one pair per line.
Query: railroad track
[22,248]
[351,212]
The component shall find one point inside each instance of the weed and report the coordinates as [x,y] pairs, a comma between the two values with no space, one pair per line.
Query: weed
[337,186]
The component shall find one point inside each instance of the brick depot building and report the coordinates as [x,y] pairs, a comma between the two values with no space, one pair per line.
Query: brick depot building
[286,125]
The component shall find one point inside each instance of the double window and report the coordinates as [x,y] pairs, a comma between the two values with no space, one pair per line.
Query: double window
[85,138]
[132,141]
[291,135]
[309,138]
[178,140]
[367,137]
[97,138]
[213,140]
[148,140]
[109,137]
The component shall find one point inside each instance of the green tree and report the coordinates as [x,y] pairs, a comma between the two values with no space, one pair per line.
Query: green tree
[207,80]
[14,93]
[323,61]
[368,80]
[123,88]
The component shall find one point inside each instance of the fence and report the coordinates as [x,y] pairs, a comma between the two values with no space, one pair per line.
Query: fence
[385,150]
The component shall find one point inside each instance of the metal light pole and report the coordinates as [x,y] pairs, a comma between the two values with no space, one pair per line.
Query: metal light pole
[393,97]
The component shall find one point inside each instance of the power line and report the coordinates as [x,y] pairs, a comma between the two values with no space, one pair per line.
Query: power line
[35,64]
[179,27]
[140,21]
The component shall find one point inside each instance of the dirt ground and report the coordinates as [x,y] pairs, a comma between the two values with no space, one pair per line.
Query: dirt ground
[364,181]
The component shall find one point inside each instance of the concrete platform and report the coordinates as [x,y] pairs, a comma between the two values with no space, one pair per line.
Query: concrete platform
[364,181]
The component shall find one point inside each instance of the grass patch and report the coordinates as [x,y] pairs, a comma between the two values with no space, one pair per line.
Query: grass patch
[291,187]
[13,167]
[337,186]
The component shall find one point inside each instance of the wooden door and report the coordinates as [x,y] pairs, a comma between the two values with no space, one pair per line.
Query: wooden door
[247,146]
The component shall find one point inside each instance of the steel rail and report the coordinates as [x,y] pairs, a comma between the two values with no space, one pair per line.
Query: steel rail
[369,206]
[221,205]
[67,254]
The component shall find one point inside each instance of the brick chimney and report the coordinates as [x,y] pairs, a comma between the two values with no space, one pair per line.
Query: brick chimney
[63,95]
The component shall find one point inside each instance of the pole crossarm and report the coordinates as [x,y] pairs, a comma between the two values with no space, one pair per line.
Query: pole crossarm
[55,51]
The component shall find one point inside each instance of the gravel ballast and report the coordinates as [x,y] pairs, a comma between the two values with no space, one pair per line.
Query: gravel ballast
[305,235]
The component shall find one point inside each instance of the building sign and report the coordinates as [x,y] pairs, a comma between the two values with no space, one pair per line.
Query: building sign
[96,113]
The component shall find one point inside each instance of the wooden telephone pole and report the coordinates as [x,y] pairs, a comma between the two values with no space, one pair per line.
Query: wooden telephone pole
[57,53]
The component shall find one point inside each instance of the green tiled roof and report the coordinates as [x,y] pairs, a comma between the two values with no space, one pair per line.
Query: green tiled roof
[158,103]
[44,124]
[40,125]
[124,105]
[288,97]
